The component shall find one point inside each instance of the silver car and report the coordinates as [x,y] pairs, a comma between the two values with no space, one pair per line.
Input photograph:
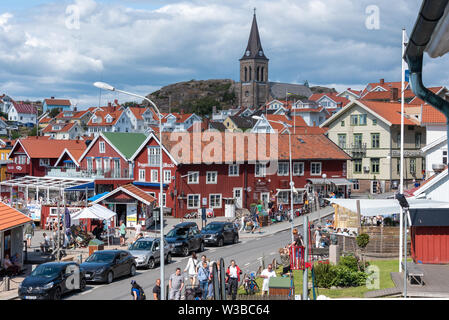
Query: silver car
[146,252]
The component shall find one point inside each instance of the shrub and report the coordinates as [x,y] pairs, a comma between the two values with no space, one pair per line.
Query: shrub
[362,240]
[327,275]
[349,262]
[324,275]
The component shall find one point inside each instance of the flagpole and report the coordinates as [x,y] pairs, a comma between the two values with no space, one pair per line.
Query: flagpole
[401,177]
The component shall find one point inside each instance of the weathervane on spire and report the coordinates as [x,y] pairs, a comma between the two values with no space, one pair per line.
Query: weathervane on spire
[254,11]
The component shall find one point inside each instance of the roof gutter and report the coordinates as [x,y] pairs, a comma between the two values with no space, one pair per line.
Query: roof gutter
[429,16]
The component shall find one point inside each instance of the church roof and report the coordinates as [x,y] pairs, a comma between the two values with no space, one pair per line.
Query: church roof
[278,90]
[254,46]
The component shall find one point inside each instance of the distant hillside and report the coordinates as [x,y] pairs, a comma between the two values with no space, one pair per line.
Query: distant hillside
[196,96]
[200,96]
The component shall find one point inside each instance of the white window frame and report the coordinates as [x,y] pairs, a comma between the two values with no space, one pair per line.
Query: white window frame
[214,181]
[107,165]
[164,199]
[102,147]
[285,165]
[285,199]
[298,164]
[167,176]
[154,175]
[311,168]
[213,204]
[193,195]
[154,155]
[44,162]
[262,170]
[232,172]
[190,176]
[298,198]
[141,174]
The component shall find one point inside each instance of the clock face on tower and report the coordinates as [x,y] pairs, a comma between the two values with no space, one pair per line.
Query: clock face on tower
[247,53]
[260,53]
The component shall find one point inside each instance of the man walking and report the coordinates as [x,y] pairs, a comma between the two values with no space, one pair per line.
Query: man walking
[317,235]
[233,274]
[203,278]
[157,290]
[266,275]
[176,284]
[122,233]
[29,233]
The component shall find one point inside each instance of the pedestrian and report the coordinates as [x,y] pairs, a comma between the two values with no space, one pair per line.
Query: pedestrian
[317,235]
[29,233]
[297,239]
[285,260]
[210,288]
[204,259]
[233,276]
[176,284]
[192,269]
[256,224]
[266,275]
[203,278]
[122,233]
[46,244]
[138,230]
[157,290]
[136,291]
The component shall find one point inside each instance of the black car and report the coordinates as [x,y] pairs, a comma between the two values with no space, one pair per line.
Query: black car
[51,280]
[218,233]
[106,265]
[185,237]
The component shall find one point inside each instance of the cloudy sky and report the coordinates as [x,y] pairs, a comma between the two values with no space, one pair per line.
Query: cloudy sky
[140,46]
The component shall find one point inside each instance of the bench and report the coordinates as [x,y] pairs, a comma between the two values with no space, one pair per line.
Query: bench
[414,273]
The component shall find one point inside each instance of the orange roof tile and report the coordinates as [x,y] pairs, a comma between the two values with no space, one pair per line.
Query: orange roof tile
[390,111]
[57,102]
[139,192]
[43,147]
[10,217]
[65,127]
[332,95]
[432,115]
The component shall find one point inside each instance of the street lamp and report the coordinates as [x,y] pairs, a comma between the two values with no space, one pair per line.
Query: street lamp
[106,86]
[292,185]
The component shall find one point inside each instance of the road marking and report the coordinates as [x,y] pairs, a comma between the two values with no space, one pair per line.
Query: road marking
[272,253]
[247,264]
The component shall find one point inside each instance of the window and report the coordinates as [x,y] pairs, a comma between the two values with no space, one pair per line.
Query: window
[298,168]
[21,159]
[141,174]
[298,197]
[102,148]
[107,165]
[342,123]
[355,185]
[418,140]
[354,120]
[3,156]
[116,168]
[358,140]
[398,167]
[315,168]
[44,162]
[154,156]
[260,169]
[233,170]
[167,176]
[412,166]
[283,197]
[374,122]
[358,166]
[283,168]
[445,156]
[342,141]
[193,177]
[211,177]
[375,162]
[398,140]
[164,200]
[193,201]
[375,140]
[215,200]
[89,164]
[362,120]
[98,164]
[154,176]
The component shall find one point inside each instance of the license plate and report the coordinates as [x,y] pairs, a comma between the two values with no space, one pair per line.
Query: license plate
[30,297]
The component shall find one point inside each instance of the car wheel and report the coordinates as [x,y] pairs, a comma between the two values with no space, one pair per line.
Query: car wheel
[151,263]
[168,260]
[109,277]
[236,239]
[57,294]
[185,251]
[132,270]
[220,242]
[82,284]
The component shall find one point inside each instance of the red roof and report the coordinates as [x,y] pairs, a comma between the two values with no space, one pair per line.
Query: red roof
[10,217]
[24,108]
[432,115]
[64,127]
[57,102]
[390,111]
[333,96]
[43,147]
[137,111]
[114,112]
[386,95]
[386,85]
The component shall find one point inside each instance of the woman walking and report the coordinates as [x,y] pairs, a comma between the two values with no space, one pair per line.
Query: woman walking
[192,268]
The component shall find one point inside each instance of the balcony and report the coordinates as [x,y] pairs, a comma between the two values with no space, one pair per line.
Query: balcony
[15,168]
[356,149]
[62,172]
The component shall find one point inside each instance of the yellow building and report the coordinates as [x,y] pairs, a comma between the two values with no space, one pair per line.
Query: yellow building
[5,148]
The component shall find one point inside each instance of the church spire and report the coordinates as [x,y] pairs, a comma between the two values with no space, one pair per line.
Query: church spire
[254,48]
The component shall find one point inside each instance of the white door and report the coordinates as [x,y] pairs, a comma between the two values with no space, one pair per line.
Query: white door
[237,195]
[265,197]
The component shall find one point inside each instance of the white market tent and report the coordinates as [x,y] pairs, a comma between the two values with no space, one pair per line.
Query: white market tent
[379,207]
[94,212]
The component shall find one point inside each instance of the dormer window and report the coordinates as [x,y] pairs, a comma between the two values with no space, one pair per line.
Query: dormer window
[108,119]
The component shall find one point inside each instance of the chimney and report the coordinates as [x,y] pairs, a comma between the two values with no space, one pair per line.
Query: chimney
[52,97]
[394,94]
[382,81]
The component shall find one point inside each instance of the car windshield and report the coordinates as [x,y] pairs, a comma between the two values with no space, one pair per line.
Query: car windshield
[101,257]
[141,245]
[178,233]
[46,271]
[213,227]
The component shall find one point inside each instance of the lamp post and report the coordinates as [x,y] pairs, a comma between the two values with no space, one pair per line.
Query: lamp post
[106,86]
[324,176]
[292,185]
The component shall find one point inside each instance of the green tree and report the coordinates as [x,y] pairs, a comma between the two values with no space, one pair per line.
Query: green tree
[130,104]
[54,112]
[362,242]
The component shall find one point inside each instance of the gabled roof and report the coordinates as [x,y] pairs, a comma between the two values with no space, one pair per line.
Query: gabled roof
[43,147]
[125,143]
[254,45]
[429,183]
[132,191]
[74,154]
[243,122]
[386,86]
[11,218]
[114,111]
[64,127]
[138,112]
[152,135]
[57,102]
[332,96]
[24,108]
[431,115]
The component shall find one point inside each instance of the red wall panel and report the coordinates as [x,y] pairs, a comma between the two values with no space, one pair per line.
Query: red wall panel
[430,245]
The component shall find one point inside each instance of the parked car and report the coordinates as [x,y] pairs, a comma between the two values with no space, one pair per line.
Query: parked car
[107,265]
[51,280]
[219,233]
[185,237]
[29,125]
[146,251]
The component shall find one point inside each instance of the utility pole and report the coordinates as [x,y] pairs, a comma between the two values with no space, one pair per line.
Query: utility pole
[305,279]
[59,229]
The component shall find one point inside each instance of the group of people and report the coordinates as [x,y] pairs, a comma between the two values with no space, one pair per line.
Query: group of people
[12,265]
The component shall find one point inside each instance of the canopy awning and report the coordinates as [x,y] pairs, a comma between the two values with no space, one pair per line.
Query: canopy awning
[94,212]
[379,207]
[149,184]
[50,183]
[336,181]
[98,196]
[82,187]
[288,190]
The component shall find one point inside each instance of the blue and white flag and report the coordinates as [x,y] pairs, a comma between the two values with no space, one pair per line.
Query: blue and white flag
[404,63]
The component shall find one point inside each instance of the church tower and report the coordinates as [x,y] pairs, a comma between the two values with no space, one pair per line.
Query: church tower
[254,85]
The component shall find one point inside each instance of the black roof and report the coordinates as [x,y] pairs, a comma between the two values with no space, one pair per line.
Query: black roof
[254,45]
[427,217]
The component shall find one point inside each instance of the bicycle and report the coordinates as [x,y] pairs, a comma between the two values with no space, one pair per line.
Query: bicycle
[250,285]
